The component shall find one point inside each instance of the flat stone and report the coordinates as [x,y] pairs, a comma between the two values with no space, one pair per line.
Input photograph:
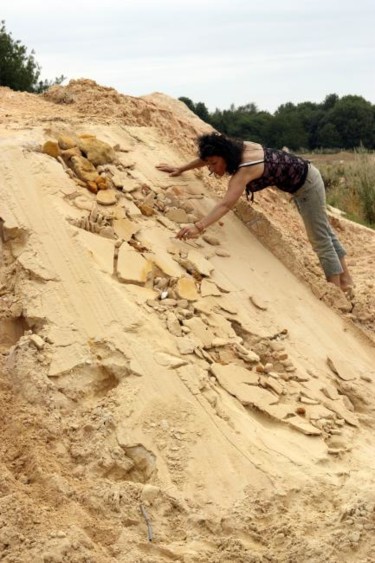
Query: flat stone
[301,425]
[122,181]
[83,202]
[131,210]
[201,331]
[249,355]
[164,262]
[227,306]
[241,383]
[211,239]
[338,408]
[272,384]
[200,263]
[233,374]
[342,368]
[38,342]
[125,228]
[177,215]
[280,411]
[221,326]
[169,361]
[330,392]
[258,302]
[186,289]
[131,266]
[187,345]
[205,306]
[106,197]
[222,253]
[316,412]
[308,401]
[141,294]
[65,358]
[209,288]
[173,325]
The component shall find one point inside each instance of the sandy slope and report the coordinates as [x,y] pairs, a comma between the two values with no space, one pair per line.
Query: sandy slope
[235,417]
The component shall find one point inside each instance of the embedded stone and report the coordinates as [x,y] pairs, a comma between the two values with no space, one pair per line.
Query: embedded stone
[342,368]
[51,148]
[209,288]
[199,263]
[98,152]
[124,228]
[222,253]
[146,210]
[169,361]
[83,168]
[173,325]
[177,215]
[106,197]
[258,302]
[131,266]
[211,240]
[66,142]
[233,374]
[303,426]
[239,382]
[186,289]
[201,331]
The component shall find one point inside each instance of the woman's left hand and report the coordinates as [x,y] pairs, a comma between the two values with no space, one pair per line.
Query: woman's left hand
[190,231]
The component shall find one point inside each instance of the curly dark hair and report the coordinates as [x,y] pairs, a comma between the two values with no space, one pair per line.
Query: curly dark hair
[216,144]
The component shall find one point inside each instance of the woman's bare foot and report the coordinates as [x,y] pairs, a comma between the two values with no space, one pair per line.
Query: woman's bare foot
[346,282]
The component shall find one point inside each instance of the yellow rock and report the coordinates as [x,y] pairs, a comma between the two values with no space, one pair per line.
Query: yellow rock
[102,183]
[65,142]
[146,210]
[186,289]
[51,148]
[98,152]
[68,153]
[83,169]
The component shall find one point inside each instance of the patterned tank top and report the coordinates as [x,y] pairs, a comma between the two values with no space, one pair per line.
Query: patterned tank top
[281,169]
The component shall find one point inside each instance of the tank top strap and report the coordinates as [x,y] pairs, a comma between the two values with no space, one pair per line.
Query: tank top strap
[251,163]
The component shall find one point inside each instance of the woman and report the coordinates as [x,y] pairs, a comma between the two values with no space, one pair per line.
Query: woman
[252,168]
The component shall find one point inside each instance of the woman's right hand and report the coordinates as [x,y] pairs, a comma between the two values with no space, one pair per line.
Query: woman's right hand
[171,170]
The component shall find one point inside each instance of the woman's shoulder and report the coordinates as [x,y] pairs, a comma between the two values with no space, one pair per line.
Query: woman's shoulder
[252,151]
[252,146]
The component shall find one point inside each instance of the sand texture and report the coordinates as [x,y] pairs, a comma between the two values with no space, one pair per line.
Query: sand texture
[209,401]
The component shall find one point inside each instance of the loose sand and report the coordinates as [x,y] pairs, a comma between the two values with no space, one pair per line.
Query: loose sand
[210,401]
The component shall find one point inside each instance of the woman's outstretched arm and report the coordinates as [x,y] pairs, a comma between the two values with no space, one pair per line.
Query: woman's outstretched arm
[177,170]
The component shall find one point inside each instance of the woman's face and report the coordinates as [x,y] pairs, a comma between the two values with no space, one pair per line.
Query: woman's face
[216,165]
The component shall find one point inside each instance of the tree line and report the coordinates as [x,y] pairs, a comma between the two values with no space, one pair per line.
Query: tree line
[336,123]
[18,69]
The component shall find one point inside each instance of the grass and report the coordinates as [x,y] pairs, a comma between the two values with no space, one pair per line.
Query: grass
[350,183]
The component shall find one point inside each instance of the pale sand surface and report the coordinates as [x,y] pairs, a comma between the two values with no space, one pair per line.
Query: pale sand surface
[217,390]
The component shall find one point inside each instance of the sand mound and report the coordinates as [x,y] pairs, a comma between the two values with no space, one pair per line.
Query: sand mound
[210,401]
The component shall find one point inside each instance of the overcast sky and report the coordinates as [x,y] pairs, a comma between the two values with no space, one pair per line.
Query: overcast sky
[268,52]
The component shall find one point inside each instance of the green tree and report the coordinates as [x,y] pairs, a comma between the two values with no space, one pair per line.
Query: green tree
[202,112]
[188,102]
[18,69]
[328,137]
[353,118]
[336,123]
[330,101]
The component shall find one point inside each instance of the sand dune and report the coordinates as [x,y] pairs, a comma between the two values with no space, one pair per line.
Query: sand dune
[202,401]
